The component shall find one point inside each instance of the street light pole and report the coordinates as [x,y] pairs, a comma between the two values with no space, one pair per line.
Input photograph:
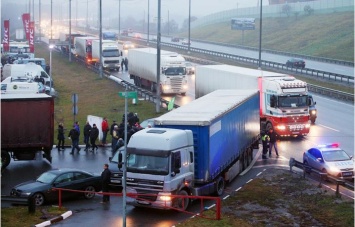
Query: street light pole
[188,49]
[261,23]
[148,26]
[100,65]
[69,49]
[158,58]
[119,17]
[51,19]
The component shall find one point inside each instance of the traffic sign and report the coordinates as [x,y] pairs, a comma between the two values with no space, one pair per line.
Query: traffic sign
[131,94]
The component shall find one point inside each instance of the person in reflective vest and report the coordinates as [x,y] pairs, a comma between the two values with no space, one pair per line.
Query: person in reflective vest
[265,141]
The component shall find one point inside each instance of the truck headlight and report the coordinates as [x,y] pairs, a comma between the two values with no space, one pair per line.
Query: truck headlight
[314,112]
[281,127]
[164,197]
[307,125]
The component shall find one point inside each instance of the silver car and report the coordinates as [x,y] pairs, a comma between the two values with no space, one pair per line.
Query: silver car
[330,159]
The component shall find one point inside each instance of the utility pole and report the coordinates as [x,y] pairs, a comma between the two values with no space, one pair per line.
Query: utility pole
[261,23]
[158,58]
[188,49]
[100,65]
[69,30]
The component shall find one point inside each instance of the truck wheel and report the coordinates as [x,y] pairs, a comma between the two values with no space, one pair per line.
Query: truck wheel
[182,202]
[268,126]
[250,156]
[220,184]
[5,159]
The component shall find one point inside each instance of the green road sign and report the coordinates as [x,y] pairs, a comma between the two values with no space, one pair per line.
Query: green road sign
[131,94]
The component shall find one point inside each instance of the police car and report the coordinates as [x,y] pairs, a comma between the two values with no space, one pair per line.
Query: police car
[330,159]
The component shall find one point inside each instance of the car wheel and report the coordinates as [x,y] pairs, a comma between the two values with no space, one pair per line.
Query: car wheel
[325,177]
[5,159]
[89,192]
[39,199]
[182,202]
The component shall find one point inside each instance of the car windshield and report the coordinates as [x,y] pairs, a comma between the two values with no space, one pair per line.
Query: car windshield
[292,101]
[47,177]
[335,155]
[148,164]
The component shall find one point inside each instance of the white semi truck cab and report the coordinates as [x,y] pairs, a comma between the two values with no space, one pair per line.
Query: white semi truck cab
[163,171]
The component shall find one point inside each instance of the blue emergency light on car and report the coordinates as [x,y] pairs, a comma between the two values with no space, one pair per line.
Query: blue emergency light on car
[333,145]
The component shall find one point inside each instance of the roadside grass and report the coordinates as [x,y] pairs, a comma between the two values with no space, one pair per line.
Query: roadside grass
[324,35]
[19,216]
[280,198]
[96,96]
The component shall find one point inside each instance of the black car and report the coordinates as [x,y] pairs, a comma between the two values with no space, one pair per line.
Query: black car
[296,63]
[175,39]
[41,189]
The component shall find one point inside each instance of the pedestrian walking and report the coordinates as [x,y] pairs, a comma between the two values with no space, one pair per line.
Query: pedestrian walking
[87,129]
[48,69]
[94,133]
[265,141]
[122,64]
[115,138]
[126,63]
[61,137]
[105,178]
[105,128]
[74,136]
[272,144]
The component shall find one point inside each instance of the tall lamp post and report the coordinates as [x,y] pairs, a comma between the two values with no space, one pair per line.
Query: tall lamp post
[148,26]
[50,68]
[261,23]
[188,49]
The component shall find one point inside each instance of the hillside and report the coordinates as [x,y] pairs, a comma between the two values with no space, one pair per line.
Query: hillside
[325,35]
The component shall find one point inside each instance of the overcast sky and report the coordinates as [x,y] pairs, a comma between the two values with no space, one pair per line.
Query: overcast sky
[177,10]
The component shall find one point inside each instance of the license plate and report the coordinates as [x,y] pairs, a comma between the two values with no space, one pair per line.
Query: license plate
[347,174]
[116,181]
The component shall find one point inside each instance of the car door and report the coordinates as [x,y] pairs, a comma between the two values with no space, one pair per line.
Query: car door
[318,159]
[311,158]
[65,180]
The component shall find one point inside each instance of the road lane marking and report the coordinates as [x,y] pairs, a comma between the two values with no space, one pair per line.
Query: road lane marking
[328,127]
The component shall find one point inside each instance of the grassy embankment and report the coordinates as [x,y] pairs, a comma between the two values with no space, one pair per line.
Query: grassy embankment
[97,96]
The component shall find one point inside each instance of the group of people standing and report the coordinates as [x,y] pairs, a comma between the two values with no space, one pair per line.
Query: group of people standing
[269,142]
[91,133]
[124,63]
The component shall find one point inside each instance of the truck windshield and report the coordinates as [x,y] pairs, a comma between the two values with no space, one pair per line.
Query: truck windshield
[110,53]
[172,71]
[137,163]
[292,101]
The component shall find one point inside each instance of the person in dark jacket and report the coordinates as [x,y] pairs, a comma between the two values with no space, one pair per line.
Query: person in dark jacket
[94,133]
[126,63]
[122,64]
[61,137]
[105,179]
[74,136]
[112,126]
[115,138]
[272,144]
[87,129]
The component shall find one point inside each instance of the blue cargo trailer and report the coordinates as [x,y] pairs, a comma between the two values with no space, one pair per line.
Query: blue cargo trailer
[205,144]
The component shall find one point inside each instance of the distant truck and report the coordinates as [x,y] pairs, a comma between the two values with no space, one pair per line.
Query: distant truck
[29,70]
[283,98]
[193,150]
[63,37]
[27,127]
[142,67]
[83,48]
[111,57]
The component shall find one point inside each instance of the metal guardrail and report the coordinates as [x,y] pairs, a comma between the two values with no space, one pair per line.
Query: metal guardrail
[332,93]
[321,59]
[275,65]
[308,169]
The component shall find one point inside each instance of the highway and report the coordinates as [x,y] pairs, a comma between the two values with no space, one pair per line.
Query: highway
[335,123]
